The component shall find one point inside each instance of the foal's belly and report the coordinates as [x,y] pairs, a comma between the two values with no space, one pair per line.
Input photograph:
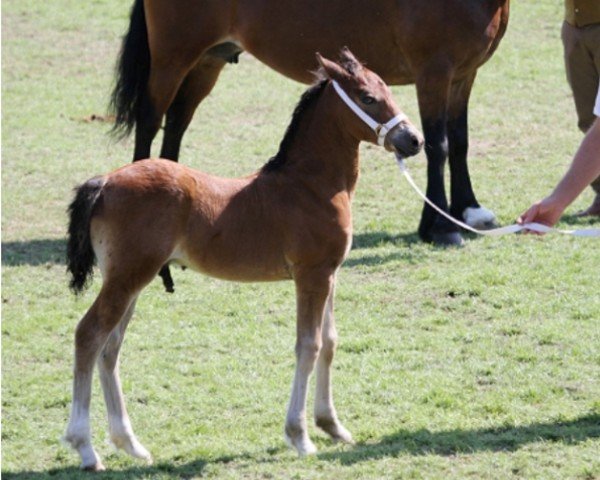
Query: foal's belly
[235,264]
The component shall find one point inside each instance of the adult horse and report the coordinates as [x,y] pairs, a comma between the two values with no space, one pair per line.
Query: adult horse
[175,49]
[290,220]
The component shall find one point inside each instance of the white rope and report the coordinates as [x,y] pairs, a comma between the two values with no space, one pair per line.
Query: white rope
[534,227]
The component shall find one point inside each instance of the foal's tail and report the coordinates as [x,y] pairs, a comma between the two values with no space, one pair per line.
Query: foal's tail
[132,72]
[80,254]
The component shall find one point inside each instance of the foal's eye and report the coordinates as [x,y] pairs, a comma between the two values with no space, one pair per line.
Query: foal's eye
[367,99]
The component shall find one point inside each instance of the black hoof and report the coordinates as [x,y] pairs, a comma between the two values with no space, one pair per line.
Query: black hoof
[488,225]
[447,239]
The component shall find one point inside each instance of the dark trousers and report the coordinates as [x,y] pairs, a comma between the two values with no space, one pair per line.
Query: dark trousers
[582,63]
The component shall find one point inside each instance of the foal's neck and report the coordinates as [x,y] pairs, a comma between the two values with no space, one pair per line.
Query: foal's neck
[323,152]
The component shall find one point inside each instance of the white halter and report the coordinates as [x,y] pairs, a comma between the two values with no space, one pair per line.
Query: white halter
[380,129]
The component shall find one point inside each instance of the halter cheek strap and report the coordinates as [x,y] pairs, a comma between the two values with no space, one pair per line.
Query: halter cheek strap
[381,129]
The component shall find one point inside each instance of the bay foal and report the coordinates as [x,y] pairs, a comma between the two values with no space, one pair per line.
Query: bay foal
[290,220]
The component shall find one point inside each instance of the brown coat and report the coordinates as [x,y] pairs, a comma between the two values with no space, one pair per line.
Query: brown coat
[580,13]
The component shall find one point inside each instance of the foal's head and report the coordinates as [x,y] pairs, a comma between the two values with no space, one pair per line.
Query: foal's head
[373,97]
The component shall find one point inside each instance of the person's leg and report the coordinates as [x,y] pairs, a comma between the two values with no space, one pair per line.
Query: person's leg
[592,38]
[582,64]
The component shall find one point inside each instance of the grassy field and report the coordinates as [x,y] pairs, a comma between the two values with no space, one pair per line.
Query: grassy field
[482,362]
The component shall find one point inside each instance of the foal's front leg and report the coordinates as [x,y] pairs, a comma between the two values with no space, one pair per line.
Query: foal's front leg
[312,290]
[325,414]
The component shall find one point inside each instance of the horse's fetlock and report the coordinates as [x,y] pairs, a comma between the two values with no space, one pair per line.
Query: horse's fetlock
[325,423]
[295,430]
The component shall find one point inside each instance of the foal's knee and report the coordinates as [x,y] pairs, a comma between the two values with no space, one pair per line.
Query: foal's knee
[330,341]
[308,348]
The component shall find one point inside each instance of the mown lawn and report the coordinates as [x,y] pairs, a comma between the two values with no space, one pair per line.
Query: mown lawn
[482,362]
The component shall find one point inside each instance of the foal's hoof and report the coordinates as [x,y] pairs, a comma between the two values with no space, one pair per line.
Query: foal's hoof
[302,444]
[447,239]
[132,446]
[96,467]
[335,430]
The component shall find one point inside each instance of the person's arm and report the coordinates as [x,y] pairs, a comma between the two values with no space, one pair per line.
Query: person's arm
[583,170]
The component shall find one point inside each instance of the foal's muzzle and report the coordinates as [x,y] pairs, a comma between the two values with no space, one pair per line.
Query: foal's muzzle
[406,140]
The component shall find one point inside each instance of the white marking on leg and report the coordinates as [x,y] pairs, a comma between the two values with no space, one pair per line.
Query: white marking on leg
[78,433]
[121,432]
[480,218]
[296,431]
[325,413]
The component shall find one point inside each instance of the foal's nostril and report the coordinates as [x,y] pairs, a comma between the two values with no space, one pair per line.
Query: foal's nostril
[416,143]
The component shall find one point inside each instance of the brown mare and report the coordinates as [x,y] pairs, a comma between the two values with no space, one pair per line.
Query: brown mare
[175,49]
[290,220]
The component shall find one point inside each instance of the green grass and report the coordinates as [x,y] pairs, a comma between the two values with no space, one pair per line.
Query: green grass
[481,362]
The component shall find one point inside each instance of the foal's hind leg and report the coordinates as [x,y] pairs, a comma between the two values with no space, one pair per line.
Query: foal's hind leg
[464,206]
[90,336]
[121,432]
[312,290]
[197,85]
[325,414]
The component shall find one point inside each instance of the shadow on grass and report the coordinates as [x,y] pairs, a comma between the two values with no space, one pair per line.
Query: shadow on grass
[420,442]
[34,252]
[188,470]
[370,240]
[581,222]
[377,239]
[452,442]
[192,469]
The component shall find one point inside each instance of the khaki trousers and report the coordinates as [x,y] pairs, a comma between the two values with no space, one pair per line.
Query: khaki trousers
[582,63]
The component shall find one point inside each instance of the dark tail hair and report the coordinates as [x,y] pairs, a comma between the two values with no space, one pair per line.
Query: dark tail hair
[132,72]
[80,254]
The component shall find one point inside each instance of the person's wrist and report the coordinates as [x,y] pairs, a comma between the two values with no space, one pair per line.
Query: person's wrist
[554,203]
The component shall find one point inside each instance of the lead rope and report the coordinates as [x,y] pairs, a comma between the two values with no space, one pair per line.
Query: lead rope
[535,227]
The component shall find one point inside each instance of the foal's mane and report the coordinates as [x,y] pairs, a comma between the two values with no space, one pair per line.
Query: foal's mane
[308,98]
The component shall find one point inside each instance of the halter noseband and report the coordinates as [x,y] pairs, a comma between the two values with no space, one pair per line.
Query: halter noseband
[381,129]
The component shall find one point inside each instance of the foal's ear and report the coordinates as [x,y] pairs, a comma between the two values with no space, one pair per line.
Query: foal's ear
[346,56]
[331,69]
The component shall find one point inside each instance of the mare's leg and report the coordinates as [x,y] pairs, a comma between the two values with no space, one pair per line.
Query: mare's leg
[325,414]
[121,432]
[163,83]
[178,36]
[464,206]
[91,335]
[197,85]
[433,89]
[312,289]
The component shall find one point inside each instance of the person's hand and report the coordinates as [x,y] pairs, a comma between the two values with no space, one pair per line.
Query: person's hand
[546,212]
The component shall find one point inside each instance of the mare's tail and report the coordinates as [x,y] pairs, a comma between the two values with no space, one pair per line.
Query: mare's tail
[80,254]
[132,72]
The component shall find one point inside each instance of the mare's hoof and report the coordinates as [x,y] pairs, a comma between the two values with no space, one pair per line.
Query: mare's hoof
[447,239]
[480,218]
[489,225]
